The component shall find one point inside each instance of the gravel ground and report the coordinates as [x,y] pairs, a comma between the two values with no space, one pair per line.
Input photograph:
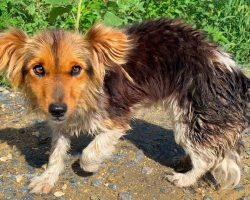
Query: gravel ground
[136,171]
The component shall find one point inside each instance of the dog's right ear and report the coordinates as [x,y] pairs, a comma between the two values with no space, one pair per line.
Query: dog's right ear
[12,43]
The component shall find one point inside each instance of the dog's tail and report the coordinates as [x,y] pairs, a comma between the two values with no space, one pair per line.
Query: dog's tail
[227,172]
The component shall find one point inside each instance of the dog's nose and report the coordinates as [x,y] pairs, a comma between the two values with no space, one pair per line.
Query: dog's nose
[57,109]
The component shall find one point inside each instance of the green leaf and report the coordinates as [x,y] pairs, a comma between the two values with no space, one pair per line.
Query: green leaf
[57,2]
[111,19]
[57,11]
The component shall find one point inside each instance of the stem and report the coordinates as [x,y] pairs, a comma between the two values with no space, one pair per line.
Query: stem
[78,15]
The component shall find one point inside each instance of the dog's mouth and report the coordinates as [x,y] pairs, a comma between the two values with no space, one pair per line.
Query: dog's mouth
[58,119]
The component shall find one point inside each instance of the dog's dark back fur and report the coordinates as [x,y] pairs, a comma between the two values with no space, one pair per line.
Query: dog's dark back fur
[171,59]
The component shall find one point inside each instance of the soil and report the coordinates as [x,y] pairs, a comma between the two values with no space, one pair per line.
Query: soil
[136,171]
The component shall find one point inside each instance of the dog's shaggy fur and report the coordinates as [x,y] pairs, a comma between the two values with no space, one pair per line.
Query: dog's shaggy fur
[96,81]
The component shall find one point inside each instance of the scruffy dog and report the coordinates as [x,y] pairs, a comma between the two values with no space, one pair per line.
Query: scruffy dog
[93,83]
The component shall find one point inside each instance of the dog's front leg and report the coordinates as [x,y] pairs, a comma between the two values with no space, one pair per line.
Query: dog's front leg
[99,149]
[45,182]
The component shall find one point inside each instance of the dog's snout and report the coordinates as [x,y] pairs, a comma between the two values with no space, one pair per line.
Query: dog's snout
[57,109]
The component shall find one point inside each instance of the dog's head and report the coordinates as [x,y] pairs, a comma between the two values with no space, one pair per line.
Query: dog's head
[61,71]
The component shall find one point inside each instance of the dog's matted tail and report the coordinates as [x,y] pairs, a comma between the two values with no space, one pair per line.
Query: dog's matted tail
[227,173]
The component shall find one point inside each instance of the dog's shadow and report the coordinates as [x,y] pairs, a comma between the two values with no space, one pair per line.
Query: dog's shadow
[34,143]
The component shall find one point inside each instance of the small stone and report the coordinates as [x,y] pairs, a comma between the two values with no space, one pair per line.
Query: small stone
[130,163]
[162,190]
[243,198]
[64,187]
[239,187]
[112,186]
[59,194]
[12,95]
[112,170]
[6,92]
[27,197]
[139,156]
[94,197]
[190,191]
[206,197]
[96,183]
[124,196]
[246,169]
[85,180]
[6,158]
[117,157]
[146,170]
[19,178]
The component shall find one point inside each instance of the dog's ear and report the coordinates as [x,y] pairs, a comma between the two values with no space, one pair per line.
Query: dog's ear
[111,45]
[110,48]
[12,44]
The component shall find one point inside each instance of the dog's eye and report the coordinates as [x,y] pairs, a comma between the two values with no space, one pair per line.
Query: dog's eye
[76,70]
[39,70]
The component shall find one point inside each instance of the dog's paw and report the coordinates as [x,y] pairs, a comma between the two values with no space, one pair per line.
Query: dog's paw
[87,167]
[180,179]
[40,185]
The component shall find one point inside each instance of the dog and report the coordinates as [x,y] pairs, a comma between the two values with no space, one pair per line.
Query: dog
[94,81]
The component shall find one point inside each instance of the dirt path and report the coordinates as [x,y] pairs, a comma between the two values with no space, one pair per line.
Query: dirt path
[135,172]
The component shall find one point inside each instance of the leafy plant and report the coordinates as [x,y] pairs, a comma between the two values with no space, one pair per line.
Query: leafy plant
[226,22]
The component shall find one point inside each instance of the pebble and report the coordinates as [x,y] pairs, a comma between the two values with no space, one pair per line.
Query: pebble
[6,158]
[24,189]
[130,163]
[96,182]
[243,198]
[85,180]
[112,170]
[19,178]
[124,196]
[59,194]
[139,156]
[112,186]
[27,197]
[146,170]
[163,190]
[94,198]
[239,187]
[5,91]
[64,187]
[206,197]
[117,157]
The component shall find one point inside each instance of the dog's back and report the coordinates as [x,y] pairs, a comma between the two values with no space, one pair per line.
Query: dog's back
[201,84]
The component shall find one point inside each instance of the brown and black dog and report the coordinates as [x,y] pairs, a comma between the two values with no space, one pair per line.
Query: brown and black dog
[94,82]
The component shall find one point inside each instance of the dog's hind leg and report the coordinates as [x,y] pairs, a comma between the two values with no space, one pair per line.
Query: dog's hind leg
[45,182]
[200,165]
[202,159]
[99,149]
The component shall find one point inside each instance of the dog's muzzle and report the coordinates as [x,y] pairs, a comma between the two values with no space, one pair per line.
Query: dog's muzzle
[58,110]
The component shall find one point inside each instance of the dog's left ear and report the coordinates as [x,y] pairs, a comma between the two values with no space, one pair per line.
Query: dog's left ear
[12,44]
[109,47]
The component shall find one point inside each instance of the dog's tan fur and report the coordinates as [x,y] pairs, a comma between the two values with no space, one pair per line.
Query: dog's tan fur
[156,61]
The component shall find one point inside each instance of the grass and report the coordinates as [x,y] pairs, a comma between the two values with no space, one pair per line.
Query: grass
[227,22]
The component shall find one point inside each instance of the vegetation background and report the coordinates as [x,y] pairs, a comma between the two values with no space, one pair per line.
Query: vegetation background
[227,22]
